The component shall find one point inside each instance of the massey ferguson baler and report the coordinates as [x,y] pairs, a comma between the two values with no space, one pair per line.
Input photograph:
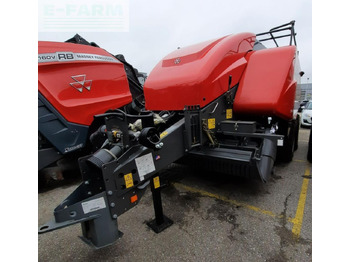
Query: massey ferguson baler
[78,80]
[225,105]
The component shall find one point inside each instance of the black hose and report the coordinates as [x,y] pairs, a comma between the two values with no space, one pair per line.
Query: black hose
[104,156]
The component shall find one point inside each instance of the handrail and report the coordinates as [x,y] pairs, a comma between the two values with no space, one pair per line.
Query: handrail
[289,26]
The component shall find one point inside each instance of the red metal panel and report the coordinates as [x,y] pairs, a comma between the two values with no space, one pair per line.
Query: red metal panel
[268,85]
[198,74]
[109,84]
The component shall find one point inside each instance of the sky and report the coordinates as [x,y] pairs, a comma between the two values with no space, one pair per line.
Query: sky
[157,28]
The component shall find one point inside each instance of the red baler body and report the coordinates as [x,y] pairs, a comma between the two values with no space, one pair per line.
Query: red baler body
[198,74]
[109,88]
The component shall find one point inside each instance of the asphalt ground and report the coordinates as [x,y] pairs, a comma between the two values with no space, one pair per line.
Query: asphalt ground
[216,218]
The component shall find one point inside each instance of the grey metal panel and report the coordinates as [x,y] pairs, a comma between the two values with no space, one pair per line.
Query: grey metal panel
[63,135]
[113,172]
[237,126]
[47,156]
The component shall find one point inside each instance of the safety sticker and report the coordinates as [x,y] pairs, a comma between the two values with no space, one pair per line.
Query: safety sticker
[211,123]
[163,134]
[145,165]
[129,182]
[156,182]
[280,142]
[228,113]
[93,205]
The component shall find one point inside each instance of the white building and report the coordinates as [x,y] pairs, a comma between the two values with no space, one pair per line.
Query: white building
[305,92]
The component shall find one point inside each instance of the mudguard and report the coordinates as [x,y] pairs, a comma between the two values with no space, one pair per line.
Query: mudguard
[268,85]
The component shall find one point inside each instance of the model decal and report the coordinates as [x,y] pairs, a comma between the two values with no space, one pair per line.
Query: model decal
[70,56]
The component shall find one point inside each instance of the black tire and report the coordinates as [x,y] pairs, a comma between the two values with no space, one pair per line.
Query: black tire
[296,143]
[42,182]
[286,152]
[309,150]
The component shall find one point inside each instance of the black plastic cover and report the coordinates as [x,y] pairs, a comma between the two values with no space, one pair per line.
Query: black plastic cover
[63,135]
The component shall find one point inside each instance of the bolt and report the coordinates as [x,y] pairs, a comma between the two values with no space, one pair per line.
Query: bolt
[159,145]
[89,193]
[86,182]
[110,192]
[115,216]
[112,204]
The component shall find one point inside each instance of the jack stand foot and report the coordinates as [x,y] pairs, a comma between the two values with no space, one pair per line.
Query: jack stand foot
[159,228]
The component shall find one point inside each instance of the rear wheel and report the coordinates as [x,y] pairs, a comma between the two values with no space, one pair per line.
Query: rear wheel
[41,181]
[290,132]
[309,150]
[296,143]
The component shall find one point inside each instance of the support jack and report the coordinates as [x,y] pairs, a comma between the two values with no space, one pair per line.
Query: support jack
[161,222]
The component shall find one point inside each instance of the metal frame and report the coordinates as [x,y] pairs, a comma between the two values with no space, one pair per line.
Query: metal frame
[285,27]
[105,175]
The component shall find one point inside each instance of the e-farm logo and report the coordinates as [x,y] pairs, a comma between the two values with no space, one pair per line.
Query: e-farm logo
[83,16]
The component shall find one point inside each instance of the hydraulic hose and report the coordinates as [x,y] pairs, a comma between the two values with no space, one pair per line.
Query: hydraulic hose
[104,156]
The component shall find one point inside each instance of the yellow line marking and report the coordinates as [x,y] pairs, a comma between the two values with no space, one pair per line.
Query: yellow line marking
[303,141]
[231,201]
[298,219]
[299,160]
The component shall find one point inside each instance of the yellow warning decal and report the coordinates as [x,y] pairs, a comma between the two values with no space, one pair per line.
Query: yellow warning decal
[163,134]
[228,113]
[129,182]
[211,123]
[156,182]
